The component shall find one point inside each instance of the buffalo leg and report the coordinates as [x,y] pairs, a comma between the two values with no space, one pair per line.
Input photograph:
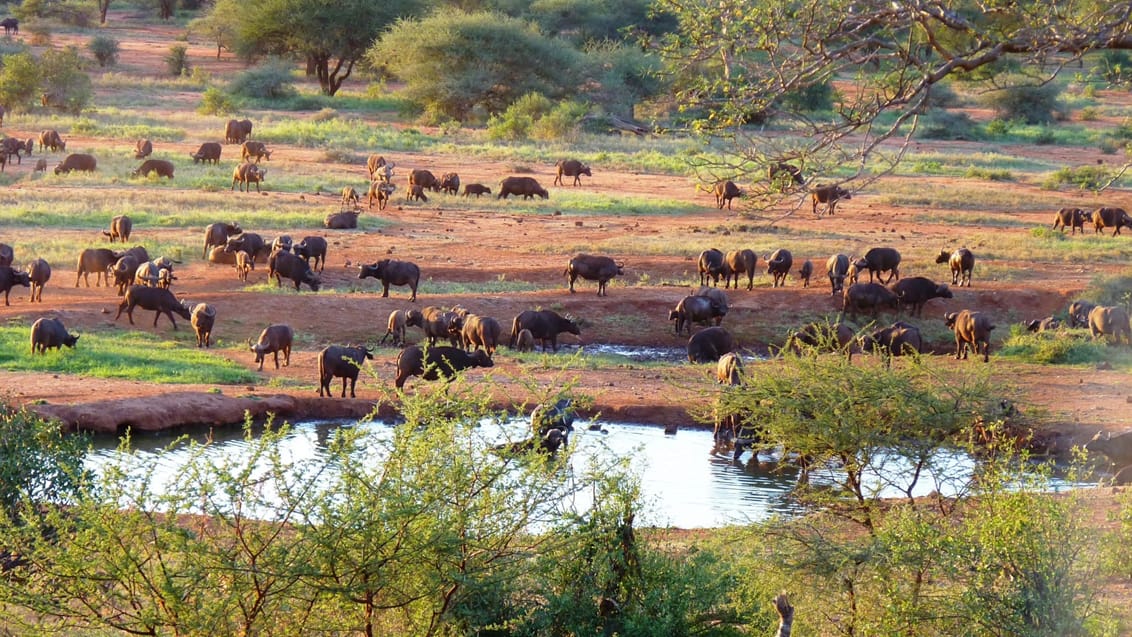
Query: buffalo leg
[384,293]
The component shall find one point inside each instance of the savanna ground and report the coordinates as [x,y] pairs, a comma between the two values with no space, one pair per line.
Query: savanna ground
[498,258]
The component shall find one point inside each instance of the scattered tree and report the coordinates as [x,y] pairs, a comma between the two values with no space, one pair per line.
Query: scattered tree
[104,49]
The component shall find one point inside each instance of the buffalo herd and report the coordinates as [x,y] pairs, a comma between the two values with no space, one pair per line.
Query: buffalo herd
[472,340]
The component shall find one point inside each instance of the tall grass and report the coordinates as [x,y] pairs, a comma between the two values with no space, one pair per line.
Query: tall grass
[128,354]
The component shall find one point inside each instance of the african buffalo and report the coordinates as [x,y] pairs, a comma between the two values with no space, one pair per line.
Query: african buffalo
[778,265]
[837,268]
[481,331]
[218,234]
[247,174]
[707,345]
[571,168]
[423,178]
[398,321]
[50,139]
[879,260]
[867,296]
[237,131]
[143,148]
[1079,313]
[822,336]
[828,195]
[379,191]
[525,341]
[81,162]
[1115,218]
[160,300]
[805,272]
[1110,321]
[203,319]
[972,330]
[440,323]
[897,339]
[593,268]
[695,309]
[450,183]
[123,271]
[729,369]
[95,260]
[916,291]
[7,254]
[436,362]
[161,167]
[1046,324]
[49,333]
[545,326]
[528,187]
[724,192]
[251,242]
[780,172]
[208,152]
[344,220]
[740,262]
[258,150]
[712,265]
[272,340]
[312,247]
[39,272]
[337,361]
[284,264]
[1072,218]
[391,272]
[961,262]
[120,228]
[10,277]
[476,189]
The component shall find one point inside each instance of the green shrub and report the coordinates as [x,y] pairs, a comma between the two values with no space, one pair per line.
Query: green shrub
[515,123]
[1114,67]
[37,461]
[1089,114]
[39,33]
[815,97]
[939,124]
[63,83]
[1111,290]
[1053,348]
[177,60]
[19,81]
[1026,103]
[104,49]
[216,102]
[268,81]
[998,128]
[561,123]
[989,174]
[1084,177]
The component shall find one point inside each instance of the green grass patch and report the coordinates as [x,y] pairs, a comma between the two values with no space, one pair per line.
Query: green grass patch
[126,354]
[1063,347]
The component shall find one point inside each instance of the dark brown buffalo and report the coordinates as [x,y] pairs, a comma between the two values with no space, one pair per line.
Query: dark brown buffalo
[258,150]
[285,264]
[571,168]
[143,149]
[337,361]
[914,292]
[972,329]
[440,323]
[218,234]
[879,260]
[837,268]
[237,131]
[398,321]
[740,262]
[437,362]
[481,332]
[416,193]
[805,272]
[828,195]
[1072,218]
[208,152]
[861,297]
[373,163]
[123,271]
[251,242]
[476,189]
[282,242]
[379,191]
[593,268]
[220,255]
[528,187]
[95,260]
[724,192]
[450,183]
[391,272]
[11,277]
[39,272]
[834,337]
[897,339]
[160,300]
[781,172]
[163,168]
[344,220]
[961,262]
[707,345]
[247,174]
[312,248]
[696,309]
[272,340]
[1110,321]
[1079,313]
[77,161]
[120,228]
[1115,218]
[203,320]
[50,139]
[49,333]
[712,265]
[1046,324]
[544,325]
[423,178]
[7,255]
[778,266]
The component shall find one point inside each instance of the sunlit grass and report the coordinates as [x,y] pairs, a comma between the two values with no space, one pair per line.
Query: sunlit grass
[129,354]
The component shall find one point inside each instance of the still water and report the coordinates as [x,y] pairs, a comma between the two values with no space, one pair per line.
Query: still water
[684,485]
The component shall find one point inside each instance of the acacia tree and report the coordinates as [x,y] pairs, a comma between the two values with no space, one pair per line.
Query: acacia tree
[736,59]
[331,35]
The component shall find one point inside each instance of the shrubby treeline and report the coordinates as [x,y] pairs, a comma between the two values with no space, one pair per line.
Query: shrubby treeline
[426,531]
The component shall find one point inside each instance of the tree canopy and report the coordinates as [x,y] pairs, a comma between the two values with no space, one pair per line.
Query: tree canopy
[457,63]
[332,35]
[885,59]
